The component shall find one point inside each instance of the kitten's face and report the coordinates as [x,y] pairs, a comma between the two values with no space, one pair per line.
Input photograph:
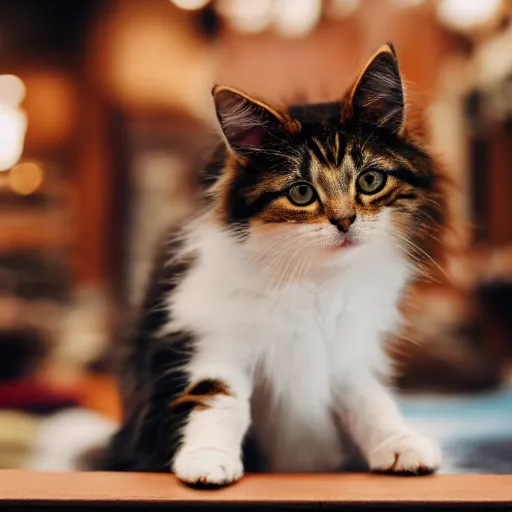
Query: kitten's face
[326,178]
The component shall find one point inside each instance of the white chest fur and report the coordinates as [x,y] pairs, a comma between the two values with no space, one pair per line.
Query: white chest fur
[296,342]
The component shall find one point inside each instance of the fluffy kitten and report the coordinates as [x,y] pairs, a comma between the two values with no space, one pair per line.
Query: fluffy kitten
[261,345]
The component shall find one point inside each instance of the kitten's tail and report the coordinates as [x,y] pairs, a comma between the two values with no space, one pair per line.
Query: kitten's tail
[72,440]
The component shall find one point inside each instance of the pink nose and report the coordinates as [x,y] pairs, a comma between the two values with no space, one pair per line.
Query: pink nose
[344,223]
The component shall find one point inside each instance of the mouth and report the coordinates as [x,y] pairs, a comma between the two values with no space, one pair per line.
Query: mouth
[343,245]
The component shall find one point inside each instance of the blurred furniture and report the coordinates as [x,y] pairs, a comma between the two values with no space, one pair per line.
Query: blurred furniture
[491,173]
[166,154]
[489,116]
[42,46]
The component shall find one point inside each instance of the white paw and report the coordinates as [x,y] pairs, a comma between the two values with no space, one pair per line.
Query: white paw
[406,453]
[207,466]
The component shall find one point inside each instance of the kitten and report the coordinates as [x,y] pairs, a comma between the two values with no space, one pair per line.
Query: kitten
[262,342]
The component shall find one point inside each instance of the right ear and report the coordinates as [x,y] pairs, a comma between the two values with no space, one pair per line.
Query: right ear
[247,123]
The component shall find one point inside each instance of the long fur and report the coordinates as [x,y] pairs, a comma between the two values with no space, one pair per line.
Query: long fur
[262,343]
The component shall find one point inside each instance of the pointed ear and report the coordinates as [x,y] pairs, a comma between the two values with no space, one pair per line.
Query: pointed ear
[247,123]
[378,95]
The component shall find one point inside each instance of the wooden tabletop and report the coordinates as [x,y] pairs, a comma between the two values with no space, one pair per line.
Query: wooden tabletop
[21,487]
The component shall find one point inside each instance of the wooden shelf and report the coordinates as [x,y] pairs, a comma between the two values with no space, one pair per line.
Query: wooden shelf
[33,230]
[87,491]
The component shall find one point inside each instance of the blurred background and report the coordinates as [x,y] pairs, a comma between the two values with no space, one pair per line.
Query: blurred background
[105,120]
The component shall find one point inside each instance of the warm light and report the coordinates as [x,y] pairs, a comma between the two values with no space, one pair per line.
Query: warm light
[251,16]
[190,5]
[13,124]
[13,121]
[465,14]
[343,8]
[12,91]
[408,3]
[26,178]
[295,18]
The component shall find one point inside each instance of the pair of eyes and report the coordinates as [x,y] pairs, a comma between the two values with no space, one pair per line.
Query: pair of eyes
[370,182]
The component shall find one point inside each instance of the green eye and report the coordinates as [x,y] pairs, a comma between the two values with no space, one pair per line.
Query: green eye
[371,182]
[302,194]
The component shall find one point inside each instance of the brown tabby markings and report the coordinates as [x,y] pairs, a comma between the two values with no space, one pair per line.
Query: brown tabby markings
[336,188]
[202,393]
[330,153]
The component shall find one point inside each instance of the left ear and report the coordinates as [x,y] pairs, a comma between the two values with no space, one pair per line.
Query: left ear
[377,97]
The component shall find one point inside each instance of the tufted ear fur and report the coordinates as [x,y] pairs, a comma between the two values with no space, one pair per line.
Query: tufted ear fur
[377,96]
[247,124]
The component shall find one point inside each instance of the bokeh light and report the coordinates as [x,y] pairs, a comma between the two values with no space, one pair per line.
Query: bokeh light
[190,5]
[25,178]
[12,91]
[466,14]
[248,17]
[295,18]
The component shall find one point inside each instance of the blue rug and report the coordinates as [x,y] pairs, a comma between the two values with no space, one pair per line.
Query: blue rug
[475,432]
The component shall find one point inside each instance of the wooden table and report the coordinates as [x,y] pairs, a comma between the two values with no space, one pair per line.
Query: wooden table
[20,490]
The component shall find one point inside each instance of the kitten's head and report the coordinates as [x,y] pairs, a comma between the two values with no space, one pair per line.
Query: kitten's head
[327,178]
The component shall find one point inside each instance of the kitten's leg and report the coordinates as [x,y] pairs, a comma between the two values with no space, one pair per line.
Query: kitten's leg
[211,445]
[375,424]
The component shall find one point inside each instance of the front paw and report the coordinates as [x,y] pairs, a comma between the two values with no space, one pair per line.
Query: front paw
[207,466]
[406,453]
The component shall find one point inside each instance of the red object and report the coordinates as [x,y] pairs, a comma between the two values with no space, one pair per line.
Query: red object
[30,395]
